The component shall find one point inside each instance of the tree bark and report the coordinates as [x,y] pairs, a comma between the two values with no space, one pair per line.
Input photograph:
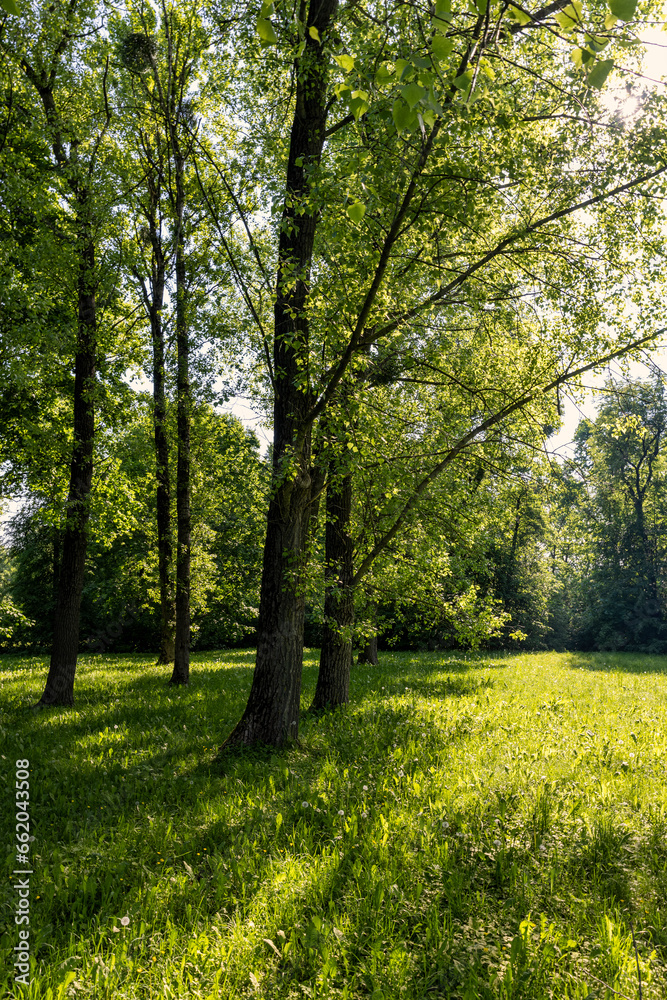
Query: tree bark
[333,679]
[163,492]
[59,688]
[369,652]
[272,713]
[181,672]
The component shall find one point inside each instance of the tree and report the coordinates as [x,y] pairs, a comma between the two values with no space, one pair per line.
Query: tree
[619,467]
[438,228]
[162,109]
[59,54]
[120,608]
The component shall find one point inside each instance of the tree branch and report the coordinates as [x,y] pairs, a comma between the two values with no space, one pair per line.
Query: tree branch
[491,421]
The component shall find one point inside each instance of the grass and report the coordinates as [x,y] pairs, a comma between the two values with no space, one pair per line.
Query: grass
[471,827]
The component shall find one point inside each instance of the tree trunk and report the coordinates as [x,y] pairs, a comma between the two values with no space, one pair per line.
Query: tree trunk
[369,652]
[181,673]
[272,713]
[333,679]
[59,688]
[163,493]
[56,564]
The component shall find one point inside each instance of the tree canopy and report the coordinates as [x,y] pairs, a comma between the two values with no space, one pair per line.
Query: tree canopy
[400,229]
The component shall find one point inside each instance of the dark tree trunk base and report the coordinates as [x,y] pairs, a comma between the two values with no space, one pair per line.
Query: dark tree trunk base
[369,653]
[179,679]
[166,655]
[333,680]
[53,700]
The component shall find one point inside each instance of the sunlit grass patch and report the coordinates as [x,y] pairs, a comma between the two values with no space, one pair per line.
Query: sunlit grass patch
[470,827]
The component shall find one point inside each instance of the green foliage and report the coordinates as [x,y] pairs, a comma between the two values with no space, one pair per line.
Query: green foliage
[472,826]
[12,622]
[612,539]
[228,499]
[478,620]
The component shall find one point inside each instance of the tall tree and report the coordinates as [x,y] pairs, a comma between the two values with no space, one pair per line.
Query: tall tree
[620,568]
[60,54]
[163,60]
[272,712]
[439,225]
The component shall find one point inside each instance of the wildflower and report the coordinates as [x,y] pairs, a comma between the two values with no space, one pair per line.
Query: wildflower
[445,825]
[304,805]
[124,921]
[341,812]
[365,788]
[496,843]
[364,815]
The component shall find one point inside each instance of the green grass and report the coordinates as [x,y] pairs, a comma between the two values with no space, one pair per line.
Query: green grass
[471,827]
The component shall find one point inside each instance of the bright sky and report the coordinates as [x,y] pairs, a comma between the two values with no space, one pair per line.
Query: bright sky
[654,70]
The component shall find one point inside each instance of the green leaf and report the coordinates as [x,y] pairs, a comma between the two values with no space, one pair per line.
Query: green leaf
[266,32]
[10,7]
[356,211]
[345,62]
[402,115]
[384,73]
[570,16]
[520,16]
[412,93]
[516,948]
[441,47]
[487,69]
[580,57]
[314,33]
[442,17]
[463,81]
[596,43]
[359,103]
[624,9]
[599,73]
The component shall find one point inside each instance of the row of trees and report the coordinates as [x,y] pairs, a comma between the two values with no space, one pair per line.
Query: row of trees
[400,228]
[542,553]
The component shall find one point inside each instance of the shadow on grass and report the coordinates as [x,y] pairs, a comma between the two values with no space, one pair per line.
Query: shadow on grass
[117,839]
[609,663]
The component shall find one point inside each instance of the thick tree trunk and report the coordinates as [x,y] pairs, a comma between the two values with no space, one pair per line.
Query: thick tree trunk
[272,713]
[181,673]
[163,493]
[333,679]
[59,688]
[369,652]
[56,563]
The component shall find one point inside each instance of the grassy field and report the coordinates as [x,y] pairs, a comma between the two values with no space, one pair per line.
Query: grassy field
[471,827]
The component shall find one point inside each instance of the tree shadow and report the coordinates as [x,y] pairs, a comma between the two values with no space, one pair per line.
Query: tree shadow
[609,663]
[139,789]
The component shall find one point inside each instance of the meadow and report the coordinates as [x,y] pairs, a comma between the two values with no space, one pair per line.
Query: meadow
[478,827]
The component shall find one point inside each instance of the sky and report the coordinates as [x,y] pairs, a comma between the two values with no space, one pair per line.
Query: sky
[654,71]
